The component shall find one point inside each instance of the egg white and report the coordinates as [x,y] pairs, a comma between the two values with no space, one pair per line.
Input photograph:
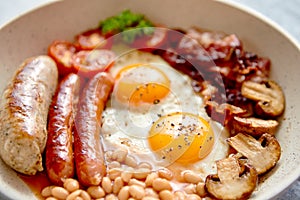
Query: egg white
[125,126]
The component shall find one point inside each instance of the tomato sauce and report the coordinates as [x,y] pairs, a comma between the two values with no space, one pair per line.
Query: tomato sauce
[36,183]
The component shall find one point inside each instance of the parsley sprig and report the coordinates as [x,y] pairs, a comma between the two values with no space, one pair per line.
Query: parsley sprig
[130,25]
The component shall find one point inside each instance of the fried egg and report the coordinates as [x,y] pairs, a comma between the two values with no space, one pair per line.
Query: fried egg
[155,114]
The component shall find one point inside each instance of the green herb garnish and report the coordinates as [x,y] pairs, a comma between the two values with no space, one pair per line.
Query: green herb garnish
[130,25]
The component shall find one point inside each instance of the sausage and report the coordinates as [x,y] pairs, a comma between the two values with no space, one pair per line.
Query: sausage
[23,114]
[59,147]
[88,151]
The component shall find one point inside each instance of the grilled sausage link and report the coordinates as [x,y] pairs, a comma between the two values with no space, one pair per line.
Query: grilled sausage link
[59,147]
[23,114]
[88,152]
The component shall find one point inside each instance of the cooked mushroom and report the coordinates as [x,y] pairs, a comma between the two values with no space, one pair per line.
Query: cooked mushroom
[254,126]
[262,154]
[269,97]
[231,182]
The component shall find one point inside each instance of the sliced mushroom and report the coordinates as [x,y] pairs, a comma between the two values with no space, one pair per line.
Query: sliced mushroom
[269,97]
[262,154]
[229,182]
[254,126]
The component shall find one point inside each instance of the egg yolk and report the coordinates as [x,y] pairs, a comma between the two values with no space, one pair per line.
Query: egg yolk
[141,83]
[181,137]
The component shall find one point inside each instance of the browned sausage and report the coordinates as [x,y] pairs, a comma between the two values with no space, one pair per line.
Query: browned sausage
[59,149]
[23,114]
[88,152]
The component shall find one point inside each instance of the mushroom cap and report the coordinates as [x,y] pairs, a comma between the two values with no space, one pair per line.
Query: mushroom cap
[262,154]
[254,126]
[268,95]
[232,181]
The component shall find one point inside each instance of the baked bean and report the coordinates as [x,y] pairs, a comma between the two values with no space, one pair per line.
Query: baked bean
[131,161]
[73,195]
[166,195]
[200,189]
[192,197]
[149,198]
[136,191]
[160,184]
[118,184]
[190,189]
[108,156]
[114,164]
[179,195]
[150,178]
[51,198]
[46,192]
[145,165]
[111,197]
[119,155]
[126,176]
[127,183]
[106,184]
[79,194]
[151,193]
[96,192]
[71,184]
[165,173]
[59,192]
[191,177]
[85,195]
[141,173]
[128,169]
[114,173]
[134,181]
[124,193]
